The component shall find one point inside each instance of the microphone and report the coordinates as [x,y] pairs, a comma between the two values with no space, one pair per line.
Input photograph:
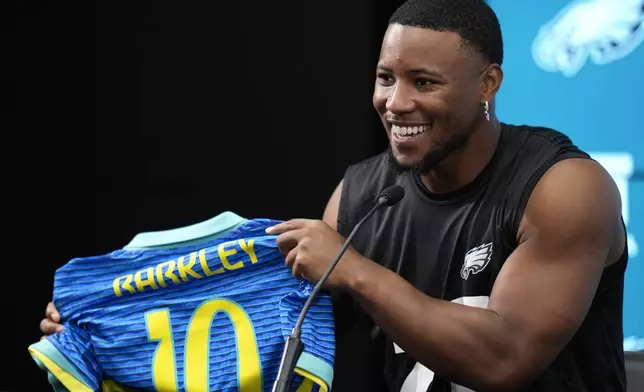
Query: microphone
[294,346]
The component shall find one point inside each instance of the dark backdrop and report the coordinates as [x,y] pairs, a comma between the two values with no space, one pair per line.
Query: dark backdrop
[149,115]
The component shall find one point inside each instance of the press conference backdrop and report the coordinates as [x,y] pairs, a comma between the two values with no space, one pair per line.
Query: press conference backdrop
[578,66]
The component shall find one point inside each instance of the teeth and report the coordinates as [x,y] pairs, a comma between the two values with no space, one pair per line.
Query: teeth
[409,131]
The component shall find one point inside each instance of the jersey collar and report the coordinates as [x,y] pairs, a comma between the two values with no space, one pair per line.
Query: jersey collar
[216,226]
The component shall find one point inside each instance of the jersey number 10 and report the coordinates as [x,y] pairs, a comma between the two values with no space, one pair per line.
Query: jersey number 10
[197,348]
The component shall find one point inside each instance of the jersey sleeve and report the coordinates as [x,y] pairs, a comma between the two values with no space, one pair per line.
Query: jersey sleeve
[69,359]
[318,335]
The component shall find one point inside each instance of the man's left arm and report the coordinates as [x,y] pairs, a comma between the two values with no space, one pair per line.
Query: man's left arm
[538,301]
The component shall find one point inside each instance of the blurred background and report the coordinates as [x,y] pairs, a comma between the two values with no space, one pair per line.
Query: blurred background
[148,115]
[578,66]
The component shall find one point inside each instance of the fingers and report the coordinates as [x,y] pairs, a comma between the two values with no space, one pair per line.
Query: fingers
[290,258]
[52,313]
[289,240]
[298,272]
[289,225]
[297,269]
[49,327]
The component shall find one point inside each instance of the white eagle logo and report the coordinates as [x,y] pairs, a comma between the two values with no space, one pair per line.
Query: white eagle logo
[602,30]
[476,260]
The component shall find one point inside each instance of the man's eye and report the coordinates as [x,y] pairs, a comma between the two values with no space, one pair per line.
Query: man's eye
[422,82]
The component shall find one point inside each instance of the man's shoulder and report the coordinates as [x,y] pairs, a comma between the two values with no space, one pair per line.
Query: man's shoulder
[370,162]
[537,136]
[361,184]
[530,150]
[375,171]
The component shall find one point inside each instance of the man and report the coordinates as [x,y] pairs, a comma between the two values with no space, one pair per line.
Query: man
[502,268]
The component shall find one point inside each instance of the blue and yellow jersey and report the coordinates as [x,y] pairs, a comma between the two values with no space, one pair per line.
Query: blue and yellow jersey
[206,307]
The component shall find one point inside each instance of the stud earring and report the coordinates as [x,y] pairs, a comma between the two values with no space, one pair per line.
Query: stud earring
[486,106]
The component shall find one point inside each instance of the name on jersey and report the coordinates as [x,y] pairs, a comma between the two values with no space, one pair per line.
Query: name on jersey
[182,270]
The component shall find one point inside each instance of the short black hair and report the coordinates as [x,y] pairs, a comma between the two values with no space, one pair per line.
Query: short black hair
[473,20]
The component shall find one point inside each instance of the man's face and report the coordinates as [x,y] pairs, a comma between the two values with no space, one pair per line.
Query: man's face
[428,94]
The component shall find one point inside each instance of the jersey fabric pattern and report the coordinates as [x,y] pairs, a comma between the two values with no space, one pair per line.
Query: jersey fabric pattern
[184,311]
[452,246]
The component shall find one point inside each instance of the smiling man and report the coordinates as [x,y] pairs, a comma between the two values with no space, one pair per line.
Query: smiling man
[502,268]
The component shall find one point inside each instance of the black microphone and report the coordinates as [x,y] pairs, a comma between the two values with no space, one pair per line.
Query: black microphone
[294,346]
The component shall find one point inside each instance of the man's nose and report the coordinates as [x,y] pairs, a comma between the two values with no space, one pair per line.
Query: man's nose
[400,99]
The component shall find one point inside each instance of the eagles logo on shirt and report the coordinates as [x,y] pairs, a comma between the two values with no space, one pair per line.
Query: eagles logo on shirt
[602,30]
[476,260]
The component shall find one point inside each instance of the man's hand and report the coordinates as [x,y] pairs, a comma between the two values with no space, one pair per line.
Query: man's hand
[49,325]
[310,246]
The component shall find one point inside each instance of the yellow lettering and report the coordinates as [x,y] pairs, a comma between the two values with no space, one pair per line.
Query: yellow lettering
[141,284]
[196,351]
[249,249]
[224,254]
[249,372]
[127,285]
[163,369]
[185,270]
[159,272]
[204,265]
[168,274]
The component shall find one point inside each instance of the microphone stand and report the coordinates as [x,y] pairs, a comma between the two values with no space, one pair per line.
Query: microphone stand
[294,346]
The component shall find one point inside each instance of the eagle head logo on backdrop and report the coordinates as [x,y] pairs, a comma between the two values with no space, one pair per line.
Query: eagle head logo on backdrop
[600,30]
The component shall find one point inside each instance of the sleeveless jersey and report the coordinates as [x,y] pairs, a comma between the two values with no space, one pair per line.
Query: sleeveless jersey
[452,246]
[180,311]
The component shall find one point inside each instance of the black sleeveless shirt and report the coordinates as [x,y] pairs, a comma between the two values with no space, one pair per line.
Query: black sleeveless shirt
[452,247]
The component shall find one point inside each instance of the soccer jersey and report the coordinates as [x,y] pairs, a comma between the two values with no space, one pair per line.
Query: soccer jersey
[201,308]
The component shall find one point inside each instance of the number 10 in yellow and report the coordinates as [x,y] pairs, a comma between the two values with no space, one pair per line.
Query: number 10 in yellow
[197,348]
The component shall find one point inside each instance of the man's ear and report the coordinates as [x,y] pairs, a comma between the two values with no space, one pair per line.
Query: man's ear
[491,80]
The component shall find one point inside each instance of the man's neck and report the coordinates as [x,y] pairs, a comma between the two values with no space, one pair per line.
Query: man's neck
[462,167]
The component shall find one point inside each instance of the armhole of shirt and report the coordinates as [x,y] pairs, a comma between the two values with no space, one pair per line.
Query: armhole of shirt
[358,192]
[343,203]
[524,197]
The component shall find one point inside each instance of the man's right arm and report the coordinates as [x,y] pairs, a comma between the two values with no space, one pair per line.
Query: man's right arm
[330,216]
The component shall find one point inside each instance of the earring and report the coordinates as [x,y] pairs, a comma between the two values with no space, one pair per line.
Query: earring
[486,106]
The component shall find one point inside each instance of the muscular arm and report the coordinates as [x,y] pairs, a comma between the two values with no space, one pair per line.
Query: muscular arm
[330,216]
[538,301]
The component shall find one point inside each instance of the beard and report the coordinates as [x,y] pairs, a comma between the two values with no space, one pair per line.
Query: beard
[433,157]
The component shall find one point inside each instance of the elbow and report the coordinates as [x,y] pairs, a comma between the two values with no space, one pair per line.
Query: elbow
[498,376]
[513,367]
[506,377]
